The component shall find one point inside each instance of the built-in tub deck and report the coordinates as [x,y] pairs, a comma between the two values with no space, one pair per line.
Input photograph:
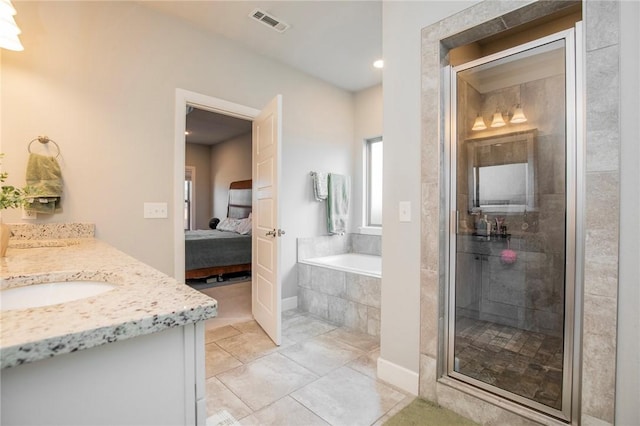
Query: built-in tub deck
[356,263]
[339,279]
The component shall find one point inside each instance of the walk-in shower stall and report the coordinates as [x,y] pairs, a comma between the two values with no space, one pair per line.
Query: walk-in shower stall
[513,202]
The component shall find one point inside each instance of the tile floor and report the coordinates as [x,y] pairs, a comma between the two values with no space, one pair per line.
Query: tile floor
[320,375]
[523,362]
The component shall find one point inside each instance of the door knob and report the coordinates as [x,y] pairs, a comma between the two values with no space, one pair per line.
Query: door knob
[280,232]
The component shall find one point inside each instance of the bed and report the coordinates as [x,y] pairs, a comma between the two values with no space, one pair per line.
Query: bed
[213,252]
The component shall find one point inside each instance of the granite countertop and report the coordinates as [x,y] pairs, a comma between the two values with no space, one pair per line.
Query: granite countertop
[144,300]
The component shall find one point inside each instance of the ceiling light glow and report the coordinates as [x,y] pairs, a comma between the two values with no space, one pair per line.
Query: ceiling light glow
[9,30]
[378,64]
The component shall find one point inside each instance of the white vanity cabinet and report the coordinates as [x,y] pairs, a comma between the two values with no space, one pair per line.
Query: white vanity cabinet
[133,355]
[153,379]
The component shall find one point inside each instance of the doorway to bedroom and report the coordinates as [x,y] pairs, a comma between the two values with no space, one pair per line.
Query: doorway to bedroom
[217,209]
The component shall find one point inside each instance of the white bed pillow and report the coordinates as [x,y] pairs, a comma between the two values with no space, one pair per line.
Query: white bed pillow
[228,224]
[244,227]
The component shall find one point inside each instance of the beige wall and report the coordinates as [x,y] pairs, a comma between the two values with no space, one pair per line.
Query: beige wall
[100,78]
[230,161]
[400,328]
[198,156]
[628,362]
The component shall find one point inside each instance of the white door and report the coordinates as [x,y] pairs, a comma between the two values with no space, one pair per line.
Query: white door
[266,283]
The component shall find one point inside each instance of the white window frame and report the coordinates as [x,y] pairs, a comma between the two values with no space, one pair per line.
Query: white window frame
[367,226]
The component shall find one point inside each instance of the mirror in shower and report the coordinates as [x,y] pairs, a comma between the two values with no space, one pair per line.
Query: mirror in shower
[501,173]
[510,328]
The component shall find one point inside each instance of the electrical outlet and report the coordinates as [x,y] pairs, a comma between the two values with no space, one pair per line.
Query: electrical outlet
[155,211]
[29,215]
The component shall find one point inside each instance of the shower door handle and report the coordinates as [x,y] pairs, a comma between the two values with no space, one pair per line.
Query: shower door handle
[455,216]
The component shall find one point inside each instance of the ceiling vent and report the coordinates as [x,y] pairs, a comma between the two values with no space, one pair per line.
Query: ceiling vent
[269,20]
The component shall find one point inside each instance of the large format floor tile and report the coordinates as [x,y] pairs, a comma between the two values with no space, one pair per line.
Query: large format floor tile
[248,346]
[322,354]
[218,360]
[219,333]
[362,341]
[347,397]
[219,397]
[367,363]
[320,375]
[302,327]
[266,380]
[284,412]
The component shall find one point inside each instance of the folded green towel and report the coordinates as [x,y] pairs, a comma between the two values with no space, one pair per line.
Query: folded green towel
[44,184]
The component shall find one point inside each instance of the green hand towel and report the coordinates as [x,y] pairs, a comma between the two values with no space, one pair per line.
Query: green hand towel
[44,182]
[339,191]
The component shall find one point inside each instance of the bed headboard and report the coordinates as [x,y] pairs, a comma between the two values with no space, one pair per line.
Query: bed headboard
[240,197]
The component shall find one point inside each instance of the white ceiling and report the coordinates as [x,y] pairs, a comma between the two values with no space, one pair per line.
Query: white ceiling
[209,128]
[336,41]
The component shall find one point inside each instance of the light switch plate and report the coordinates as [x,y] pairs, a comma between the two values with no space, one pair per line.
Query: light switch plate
[155,211]
[29,215]
[404,211]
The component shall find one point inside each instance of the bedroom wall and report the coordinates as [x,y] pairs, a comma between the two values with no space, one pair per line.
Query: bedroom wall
[100,79]
[199,157]
[230,161]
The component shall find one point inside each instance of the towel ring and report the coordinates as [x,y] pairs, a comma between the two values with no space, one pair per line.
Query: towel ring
[43,140]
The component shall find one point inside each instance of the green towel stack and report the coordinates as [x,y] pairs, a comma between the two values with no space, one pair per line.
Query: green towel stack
[44,184]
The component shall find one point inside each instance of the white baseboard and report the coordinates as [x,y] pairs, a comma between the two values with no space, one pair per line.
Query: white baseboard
[289,303]
[398,376]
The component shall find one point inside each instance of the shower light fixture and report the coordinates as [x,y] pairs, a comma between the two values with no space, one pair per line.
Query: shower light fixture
[8,28]
[518,116]
[479,123]
[497,121]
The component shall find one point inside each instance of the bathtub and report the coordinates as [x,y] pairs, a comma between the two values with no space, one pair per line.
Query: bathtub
[355,263]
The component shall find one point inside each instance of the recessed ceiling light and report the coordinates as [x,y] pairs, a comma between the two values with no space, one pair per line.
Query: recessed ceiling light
[378,64]
[186,132]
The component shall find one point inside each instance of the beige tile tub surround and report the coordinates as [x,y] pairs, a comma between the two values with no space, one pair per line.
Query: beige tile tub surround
[344,298]
[597,384]
[144,301]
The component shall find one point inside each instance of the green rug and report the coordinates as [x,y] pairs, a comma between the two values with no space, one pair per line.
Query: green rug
[423,413]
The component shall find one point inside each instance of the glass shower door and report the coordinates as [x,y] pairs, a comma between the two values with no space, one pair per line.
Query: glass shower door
[512,248]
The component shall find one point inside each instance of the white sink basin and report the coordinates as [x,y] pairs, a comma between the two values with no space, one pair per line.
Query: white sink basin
[51,293]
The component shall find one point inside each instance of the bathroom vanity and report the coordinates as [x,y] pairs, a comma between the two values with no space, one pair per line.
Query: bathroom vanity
[133,354]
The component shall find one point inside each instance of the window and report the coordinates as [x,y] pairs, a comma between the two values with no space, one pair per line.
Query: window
[373,182]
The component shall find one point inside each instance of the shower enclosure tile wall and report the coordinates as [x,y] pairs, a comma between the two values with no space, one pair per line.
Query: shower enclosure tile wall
[598,348]
[531,290]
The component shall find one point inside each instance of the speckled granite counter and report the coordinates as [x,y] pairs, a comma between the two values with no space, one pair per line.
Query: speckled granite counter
[145,301]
